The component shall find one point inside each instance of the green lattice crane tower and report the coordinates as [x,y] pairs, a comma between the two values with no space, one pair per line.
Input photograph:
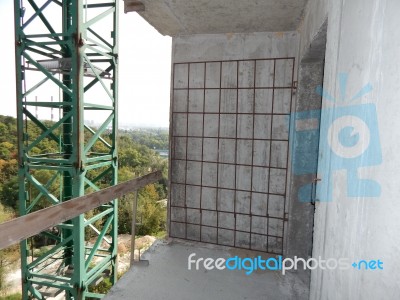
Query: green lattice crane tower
[66,73]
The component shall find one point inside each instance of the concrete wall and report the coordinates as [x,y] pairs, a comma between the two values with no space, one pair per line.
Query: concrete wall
[304,158]
[208,47]
[363,41]
[229,145]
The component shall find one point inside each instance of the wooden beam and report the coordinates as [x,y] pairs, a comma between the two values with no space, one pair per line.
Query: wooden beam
[21,228]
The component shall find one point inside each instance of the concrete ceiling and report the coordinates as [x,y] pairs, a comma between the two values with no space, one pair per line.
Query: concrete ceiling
[175,17]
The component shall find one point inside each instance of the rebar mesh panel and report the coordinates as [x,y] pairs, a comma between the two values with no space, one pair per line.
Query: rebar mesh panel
[229,158]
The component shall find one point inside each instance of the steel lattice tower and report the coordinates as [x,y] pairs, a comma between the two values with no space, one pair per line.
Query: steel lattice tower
[67,49]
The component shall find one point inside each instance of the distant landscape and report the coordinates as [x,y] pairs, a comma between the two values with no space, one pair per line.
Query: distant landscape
[140,150]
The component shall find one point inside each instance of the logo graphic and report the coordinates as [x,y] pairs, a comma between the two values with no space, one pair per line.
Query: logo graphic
[252,264]
[345,136]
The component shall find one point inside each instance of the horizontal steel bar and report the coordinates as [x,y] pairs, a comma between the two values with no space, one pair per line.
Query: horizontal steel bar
[107,157]
[250,215]
[65,226]
[97,5]
[51,284]
[49,276]
[231,60]
[94,295]
[229,229]
[52,50]
[234,88]
[48,104]
[98,165]
[229,164]
[229,245]
[47,155]
[47,54]
[48,161]
[230,113]
[45,35]
[228,189]
[33,43]
[93,106]
[99,249]
[227,138]
[50,168]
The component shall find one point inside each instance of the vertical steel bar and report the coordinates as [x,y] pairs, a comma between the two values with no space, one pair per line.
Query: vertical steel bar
[133,226]
[19,73]
[114,137]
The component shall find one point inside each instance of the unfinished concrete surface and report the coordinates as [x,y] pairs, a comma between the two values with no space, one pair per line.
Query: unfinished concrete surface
[167,277]
[230,138]
[363,42]
[304,148]
[362,47]
[177,17]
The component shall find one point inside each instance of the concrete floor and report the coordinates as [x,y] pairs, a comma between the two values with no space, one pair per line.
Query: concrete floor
[167,277]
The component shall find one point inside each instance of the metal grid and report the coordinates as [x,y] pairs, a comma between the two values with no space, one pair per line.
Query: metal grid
[229,156]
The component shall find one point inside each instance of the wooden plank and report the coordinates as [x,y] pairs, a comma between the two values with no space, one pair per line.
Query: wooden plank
[21,228]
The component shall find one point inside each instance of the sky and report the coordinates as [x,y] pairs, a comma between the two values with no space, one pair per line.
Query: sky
[144,74]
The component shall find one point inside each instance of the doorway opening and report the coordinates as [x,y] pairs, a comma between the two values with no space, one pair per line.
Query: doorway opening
[305,147]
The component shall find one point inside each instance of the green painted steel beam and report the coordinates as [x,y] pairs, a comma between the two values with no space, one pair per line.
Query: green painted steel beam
[72,168]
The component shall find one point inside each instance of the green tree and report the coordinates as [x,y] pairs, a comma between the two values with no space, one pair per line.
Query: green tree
[151,214]
[4,133]
[7,150]
[9,193]
[9,255]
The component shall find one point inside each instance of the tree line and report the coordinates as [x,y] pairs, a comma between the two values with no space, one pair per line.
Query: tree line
[136,157]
